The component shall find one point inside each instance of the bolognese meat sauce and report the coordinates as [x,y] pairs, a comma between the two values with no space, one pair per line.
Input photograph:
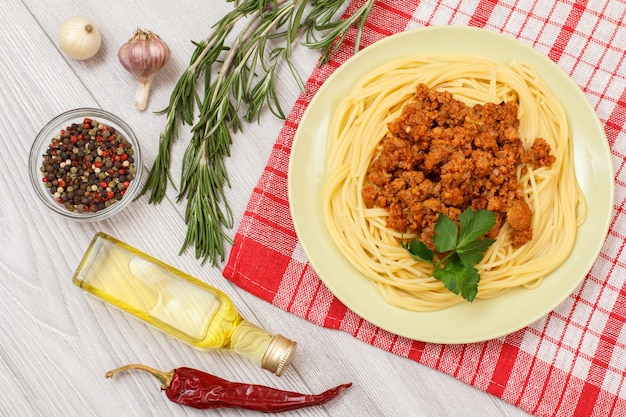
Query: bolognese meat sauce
[441,156]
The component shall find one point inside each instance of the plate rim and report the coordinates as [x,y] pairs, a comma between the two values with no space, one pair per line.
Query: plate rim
[449,31]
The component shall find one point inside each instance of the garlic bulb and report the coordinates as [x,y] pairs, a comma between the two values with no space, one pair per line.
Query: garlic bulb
[79,37]
[144,55]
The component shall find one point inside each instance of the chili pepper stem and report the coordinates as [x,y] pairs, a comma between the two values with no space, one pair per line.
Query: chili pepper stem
[164,377]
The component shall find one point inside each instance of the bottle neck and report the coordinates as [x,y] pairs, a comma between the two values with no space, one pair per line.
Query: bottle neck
[272,352]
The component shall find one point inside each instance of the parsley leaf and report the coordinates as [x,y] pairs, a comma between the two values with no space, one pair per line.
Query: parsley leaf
[419,250]
[446,234]
[461,248]
[474,224]
[472,253]
[459,278]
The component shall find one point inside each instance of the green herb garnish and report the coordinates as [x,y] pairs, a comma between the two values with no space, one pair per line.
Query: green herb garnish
[461,250]
[230,81]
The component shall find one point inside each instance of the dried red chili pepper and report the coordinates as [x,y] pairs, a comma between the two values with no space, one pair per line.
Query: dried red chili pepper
[198,389]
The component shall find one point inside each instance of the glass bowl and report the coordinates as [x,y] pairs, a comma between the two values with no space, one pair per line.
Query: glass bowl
[95,174]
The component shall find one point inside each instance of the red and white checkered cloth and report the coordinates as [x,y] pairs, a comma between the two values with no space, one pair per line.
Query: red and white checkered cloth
[570,363]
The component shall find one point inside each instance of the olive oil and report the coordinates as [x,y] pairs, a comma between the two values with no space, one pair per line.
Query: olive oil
[175,302]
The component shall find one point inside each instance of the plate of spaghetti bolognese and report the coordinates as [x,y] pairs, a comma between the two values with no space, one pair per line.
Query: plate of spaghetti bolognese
[436,120]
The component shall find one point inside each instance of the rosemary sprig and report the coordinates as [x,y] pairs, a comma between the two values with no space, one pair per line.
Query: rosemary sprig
[225,83]
[336,30]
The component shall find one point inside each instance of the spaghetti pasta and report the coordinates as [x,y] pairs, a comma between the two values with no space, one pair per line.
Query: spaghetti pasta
[552,192]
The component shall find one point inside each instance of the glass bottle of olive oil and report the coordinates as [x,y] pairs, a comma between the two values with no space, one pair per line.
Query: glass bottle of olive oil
[175,302]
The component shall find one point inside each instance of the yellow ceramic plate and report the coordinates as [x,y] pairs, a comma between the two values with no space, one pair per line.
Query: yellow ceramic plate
[483,319]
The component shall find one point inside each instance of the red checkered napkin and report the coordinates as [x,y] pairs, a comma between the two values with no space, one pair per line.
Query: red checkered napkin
[571,362]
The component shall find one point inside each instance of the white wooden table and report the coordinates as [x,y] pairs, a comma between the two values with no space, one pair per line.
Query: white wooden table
[56,342]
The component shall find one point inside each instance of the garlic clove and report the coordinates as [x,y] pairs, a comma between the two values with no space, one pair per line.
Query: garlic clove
[144,55]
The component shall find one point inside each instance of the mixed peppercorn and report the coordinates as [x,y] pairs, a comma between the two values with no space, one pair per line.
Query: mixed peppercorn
[88,166]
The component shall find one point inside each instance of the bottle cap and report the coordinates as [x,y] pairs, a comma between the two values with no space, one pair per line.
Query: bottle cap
[278,354]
